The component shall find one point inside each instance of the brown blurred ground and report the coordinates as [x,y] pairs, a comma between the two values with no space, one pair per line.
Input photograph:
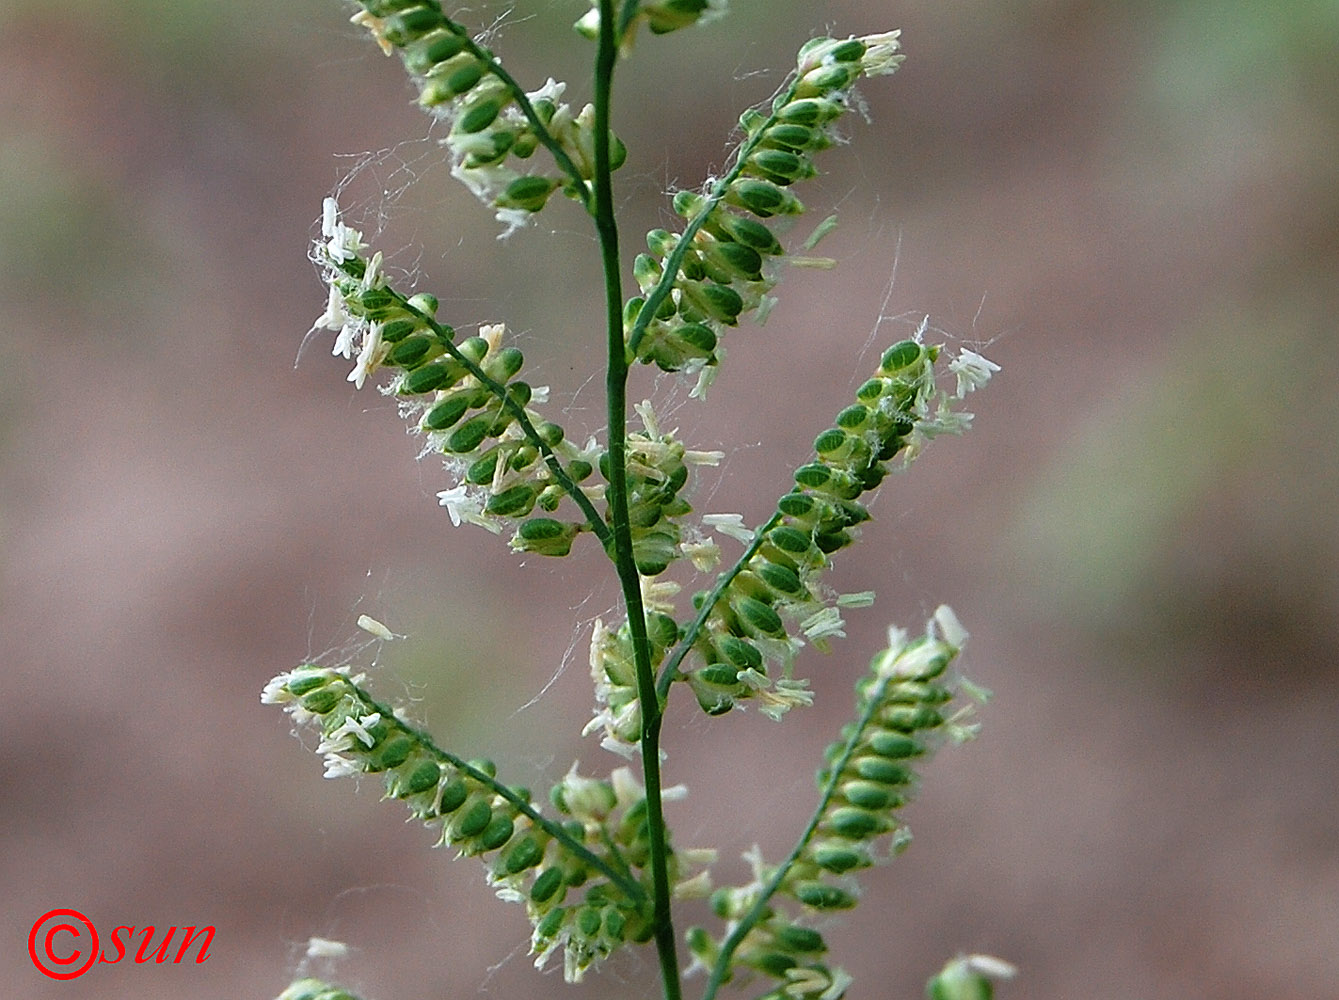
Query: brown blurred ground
[1133,206]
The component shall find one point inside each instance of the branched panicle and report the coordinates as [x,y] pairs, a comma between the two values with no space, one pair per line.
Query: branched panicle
[581,879]
[902,713]
[601,873]
[697,283]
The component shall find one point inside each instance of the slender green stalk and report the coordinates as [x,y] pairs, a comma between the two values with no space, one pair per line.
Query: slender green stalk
[616,388]
[630,8]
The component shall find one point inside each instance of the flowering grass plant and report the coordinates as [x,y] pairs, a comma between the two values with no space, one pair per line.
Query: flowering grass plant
[594,867]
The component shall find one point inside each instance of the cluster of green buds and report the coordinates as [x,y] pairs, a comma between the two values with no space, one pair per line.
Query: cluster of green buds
[614,673]
[512,462]
[611,814]
[657,472]
[746,627]
[495,126]
[465,398]
[697,283]
[581,879]
[473,812]
[766,943]
[661,16]
[901,704]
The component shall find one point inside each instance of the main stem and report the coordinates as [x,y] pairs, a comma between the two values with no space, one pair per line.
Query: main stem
[616,380]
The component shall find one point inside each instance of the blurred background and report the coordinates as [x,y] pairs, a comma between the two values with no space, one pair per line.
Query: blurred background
[1133,208]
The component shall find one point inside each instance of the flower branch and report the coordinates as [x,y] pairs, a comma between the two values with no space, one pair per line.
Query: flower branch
[868,777]
[603,874]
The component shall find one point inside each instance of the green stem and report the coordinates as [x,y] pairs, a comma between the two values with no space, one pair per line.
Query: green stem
[616,388]
[630,8]
[760,908]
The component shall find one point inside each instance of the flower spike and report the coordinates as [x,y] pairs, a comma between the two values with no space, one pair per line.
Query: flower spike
[698,283]
[901,705]
[496,125]
[742,636]
[465,398]
[597,858]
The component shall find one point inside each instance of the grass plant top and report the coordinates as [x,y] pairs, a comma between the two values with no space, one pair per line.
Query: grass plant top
[593,864]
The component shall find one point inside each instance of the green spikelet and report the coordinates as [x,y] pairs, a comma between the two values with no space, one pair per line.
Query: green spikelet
[530,858]
[865,781]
